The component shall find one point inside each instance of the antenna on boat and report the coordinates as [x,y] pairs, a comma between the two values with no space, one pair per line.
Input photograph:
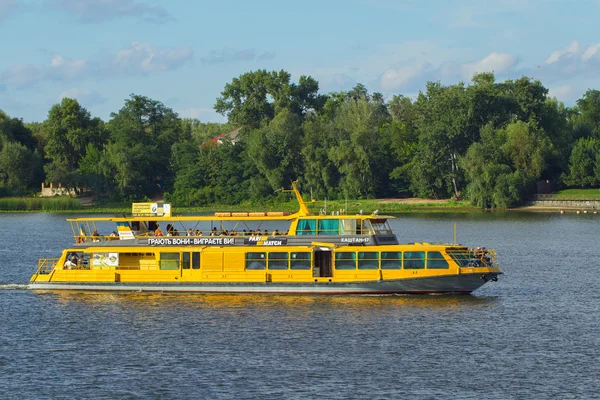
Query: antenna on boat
[455,233]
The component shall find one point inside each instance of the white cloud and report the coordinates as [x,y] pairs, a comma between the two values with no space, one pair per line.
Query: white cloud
[561,54]
[59,69]
[591,52]
[144,58]
[497,63]
[83,95]
[394,79]
[93,11]
[137,59]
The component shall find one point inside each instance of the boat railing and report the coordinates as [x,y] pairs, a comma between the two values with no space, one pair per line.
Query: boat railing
[46,265]
[474,258]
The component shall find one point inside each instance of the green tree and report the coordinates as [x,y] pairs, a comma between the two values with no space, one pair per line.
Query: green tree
[584,164]
[138,156]
[19,167]
[258,96]
[589,108]
[276,149]
[69,129]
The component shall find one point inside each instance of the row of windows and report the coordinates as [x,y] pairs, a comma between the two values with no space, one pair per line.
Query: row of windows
[278,261]
[171,260]
[330,227]
[390,260]
[302,260]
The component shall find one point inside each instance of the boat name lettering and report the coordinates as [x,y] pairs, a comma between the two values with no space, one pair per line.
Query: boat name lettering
[190,241]
[356,240]
[274,242]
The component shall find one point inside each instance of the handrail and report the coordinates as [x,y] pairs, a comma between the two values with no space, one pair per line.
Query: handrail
[46,265]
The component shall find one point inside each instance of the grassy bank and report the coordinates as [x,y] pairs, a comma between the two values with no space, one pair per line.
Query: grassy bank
[39,204]
[573,194]
[67,204]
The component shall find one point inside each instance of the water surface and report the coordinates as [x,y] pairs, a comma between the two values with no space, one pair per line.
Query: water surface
[532,334]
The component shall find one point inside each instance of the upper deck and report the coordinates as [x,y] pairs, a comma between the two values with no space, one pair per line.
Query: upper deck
[301,226]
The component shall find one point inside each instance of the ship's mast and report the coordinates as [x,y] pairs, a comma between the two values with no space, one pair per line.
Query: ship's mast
[303,208]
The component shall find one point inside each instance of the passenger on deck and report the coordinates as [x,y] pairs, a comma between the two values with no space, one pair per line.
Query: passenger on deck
[214,231]
[266,232]
[258,232]
[244,233]
[198,232]
[190,232]
[71,263]
[96,236]
[276,233]
[158,232]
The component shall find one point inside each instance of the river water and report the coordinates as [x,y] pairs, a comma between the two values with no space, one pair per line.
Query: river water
[534,334]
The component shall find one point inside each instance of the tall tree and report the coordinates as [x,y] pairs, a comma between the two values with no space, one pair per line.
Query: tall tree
[257,96]
[69,129]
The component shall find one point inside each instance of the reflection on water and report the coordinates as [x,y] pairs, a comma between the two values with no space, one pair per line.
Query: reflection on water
[294,303]
[532,334]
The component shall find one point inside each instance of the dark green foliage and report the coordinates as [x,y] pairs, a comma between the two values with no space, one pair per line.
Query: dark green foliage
[584,165]
[487,141]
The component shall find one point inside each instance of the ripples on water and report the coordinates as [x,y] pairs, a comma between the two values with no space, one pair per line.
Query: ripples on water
[533,334]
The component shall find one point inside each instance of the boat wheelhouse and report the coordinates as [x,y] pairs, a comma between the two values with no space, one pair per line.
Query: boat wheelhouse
[236,253]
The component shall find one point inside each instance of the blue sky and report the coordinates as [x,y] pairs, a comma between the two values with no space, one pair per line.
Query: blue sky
[184,52]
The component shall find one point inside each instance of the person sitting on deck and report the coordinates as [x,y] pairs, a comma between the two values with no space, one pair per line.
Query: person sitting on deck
[266,232]
[214,232]
[158,232]
[96,236]
[198,232]
[244,233]
[190,232]
[276,233]
[258,232]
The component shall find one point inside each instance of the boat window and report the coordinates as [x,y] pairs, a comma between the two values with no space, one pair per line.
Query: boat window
[345,260]
[368,260]
[435,260]
[391,260]
[307,227]
[195,260]
[169,261]
[185,261]
[381,227]
[414,260]
[256,261]
[300,260]
[278,261]
[328,226]
[463,258]
[367,228]
[347,227]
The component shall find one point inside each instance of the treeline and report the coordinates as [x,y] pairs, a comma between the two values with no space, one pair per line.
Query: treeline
[489,142]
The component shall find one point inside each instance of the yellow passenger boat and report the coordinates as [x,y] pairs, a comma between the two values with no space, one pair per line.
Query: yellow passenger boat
[227,252]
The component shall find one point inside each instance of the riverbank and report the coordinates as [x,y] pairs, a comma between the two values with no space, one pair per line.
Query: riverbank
[383,206]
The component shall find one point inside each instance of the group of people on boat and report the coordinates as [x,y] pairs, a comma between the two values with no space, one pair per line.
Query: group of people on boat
[171,231]
[480,257]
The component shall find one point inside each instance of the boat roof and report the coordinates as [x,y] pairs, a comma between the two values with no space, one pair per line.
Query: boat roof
[303,212]
[232,218]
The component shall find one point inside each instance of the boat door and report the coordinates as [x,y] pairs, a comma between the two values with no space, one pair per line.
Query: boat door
[190,263]
[322,267]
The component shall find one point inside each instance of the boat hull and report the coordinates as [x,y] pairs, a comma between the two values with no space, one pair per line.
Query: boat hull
[464,284]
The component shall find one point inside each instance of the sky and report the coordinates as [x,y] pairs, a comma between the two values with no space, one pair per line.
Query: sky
[182,53]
